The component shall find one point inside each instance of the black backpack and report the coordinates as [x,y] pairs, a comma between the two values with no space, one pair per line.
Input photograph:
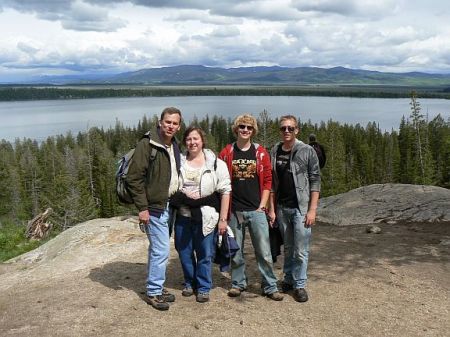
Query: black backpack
[122,192]
[320,154]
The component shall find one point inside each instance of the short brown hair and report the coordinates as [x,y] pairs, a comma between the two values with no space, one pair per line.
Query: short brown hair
[170,111]
[245,119]
[199,131]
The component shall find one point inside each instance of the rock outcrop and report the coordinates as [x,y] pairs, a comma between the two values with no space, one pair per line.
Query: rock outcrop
[386,203]
[90,279]
[78,249]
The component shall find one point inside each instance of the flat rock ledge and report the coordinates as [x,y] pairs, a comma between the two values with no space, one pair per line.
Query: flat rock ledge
[386,203]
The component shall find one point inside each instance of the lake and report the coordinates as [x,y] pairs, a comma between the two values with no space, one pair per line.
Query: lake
[40,119]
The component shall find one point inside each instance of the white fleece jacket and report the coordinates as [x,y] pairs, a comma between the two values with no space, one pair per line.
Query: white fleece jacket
[211,181]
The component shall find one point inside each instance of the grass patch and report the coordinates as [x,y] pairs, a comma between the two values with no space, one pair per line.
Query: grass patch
[14,243]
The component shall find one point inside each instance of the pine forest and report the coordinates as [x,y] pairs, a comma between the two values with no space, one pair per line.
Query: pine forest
[75,174]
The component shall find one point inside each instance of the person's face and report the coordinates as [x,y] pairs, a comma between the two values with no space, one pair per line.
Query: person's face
[194,143]
[244,131]
[288,130]
[170,125]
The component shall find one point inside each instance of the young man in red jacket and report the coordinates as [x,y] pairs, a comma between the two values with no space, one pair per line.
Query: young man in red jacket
[251,182]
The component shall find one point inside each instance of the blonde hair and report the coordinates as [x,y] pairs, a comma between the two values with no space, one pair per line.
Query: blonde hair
[246,119]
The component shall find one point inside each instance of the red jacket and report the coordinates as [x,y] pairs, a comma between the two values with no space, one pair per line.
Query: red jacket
[263,166]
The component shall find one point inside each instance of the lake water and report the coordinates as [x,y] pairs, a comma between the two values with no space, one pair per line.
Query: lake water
[40,119]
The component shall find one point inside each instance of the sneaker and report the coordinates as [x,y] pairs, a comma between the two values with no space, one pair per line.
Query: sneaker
[300,295]
[286,287]
[235,292]
[187,292]
[202,297]
[168,297]
[276,296]
[158,302]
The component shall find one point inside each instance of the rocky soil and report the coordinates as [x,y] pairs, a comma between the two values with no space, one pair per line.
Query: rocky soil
[89,281]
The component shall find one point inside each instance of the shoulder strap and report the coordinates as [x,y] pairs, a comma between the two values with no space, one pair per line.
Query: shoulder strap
[153,151]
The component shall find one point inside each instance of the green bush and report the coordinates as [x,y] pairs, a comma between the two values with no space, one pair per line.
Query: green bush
[14,243]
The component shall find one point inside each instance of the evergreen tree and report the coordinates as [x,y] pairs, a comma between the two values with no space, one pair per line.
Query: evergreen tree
[405,172]
[423,157]
[333,179]
[439,138]
[268,133]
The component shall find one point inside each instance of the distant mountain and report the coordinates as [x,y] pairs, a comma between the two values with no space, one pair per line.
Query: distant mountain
[201,75]
[198,75]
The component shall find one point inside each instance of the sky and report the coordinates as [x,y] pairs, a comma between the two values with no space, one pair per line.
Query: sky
[79,37]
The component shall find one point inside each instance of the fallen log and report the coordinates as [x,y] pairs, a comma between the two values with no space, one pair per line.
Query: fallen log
[38,227]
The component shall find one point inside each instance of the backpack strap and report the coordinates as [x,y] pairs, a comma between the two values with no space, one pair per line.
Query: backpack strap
[153,151]
[153,154]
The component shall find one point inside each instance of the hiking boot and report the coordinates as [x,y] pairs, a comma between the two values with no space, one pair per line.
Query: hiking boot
[168,297]
[235,292]
[202,297]
[187,292]
[286,287]
[158,302]
[300,295]
[276,296]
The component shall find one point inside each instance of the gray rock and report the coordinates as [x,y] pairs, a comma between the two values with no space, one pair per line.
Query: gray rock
[78,249]
[386,203]
[373,229]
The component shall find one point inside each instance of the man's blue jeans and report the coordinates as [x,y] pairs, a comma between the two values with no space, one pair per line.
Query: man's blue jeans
[256,222]
[158,252]
[296,238]
[196,254]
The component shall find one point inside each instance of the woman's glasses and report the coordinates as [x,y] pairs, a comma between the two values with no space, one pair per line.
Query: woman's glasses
[287,129]
[243,127]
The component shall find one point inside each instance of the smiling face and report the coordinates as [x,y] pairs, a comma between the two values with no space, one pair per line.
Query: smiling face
[194,142]
[288,129]
[244,131]
[245,127]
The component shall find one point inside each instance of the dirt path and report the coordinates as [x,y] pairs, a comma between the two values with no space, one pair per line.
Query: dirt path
[396,283]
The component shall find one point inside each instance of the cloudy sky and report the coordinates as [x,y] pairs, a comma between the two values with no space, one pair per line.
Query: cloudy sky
[55,37]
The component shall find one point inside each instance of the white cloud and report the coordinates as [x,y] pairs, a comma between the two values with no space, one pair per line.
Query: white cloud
[358,8]
[27,48]
[86,36]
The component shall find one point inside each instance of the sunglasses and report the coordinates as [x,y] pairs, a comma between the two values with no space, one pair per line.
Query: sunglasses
[243,127]
[287,129]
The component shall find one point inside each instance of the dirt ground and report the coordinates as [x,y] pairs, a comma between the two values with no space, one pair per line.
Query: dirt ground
[396,283]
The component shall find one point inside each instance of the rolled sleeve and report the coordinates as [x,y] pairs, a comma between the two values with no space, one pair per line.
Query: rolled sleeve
[223,178]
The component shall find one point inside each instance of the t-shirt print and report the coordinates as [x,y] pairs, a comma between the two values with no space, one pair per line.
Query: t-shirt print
[244,169]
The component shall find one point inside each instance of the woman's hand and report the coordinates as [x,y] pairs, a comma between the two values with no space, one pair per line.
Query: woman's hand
[222,227]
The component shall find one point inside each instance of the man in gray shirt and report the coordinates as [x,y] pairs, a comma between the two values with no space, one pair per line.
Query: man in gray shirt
[293,202]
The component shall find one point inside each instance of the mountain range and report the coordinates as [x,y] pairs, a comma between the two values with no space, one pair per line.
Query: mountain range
[202,75]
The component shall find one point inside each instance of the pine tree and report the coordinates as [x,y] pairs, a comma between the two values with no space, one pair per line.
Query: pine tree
[405,172]
[268,131]
[333,179]
[422,149]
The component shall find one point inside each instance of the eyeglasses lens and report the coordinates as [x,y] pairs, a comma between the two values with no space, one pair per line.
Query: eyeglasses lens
[287,129]
[243,127]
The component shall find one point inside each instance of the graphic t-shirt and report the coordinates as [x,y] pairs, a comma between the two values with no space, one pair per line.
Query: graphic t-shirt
[286,195]
[191,186]
[244,180]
